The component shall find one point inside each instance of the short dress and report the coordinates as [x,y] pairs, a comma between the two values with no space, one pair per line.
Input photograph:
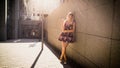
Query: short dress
[67,36]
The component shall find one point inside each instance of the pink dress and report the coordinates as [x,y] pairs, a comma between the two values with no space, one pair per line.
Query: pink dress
[67,36]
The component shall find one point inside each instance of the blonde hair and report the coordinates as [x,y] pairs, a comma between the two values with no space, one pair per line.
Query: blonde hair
[70,13]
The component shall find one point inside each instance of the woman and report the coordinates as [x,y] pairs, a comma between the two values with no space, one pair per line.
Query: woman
[67,35]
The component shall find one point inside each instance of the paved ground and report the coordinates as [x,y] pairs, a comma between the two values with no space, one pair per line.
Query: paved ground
[28,53]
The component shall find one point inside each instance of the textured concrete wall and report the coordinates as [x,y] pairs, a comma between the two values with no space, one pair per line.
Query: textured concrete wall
[2,21]
[97,31]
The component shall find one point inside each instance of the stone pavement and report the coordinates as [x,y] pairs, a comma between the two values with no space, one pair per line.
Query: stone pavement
[27,53]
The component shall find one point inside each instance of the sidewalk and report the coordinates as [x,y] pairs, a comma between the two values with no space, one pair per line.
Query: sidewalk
[27,54]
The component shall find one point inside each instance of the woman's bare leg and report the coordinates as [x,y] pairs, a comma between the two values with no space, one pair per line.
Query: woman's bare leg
[65,58]
[63,51]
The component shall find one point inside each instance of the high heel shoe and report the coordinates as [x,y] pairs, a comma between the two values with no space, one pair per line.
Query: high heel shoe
[65,62]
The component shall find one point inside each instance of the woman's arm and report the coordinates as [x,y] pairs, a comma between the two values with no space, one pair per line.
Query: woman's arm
[63,26]
[70,30]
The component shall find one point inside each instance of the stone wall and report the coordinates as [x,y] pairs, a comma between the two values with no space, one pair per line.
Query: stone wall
[97,31]
[30,29]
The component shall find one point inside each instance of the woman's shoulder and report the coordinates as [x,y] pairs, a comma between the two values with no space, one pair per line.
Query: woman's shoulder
[65,20]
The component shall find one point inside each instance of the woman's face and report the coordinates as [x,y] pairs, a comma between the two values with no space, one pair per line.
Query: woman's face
[69,16]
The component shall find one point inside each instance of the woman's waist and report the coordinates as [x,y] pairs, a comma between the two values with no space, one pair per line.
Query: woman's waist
[67,32]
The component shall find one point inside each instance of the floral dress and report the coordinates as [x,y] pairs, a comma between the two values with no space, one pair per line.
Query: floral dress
[67,36]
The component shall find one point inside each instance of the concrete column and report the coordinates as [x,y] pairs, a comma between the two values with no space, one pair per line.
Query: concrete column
[3,19]
[16,18]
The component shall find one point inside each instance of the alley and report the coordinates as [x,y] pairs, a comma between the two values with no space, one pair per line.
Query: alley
[89,31]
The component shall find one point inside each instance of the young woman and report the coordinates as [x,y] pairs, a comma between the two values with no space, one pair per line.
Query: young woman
[67,35]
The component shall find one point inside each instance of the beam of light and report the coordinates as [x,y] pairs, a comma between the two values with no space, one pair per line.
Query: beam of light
[50,5]
[36,7]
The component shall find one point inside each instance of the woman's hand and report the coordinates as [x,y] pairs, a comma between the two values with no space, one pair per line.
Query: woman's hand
[68,31]
[72,30]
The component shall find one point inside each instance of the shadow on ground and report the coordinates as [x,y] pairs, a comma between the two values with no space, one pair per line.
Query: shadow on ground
[34,63]
[70,62]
